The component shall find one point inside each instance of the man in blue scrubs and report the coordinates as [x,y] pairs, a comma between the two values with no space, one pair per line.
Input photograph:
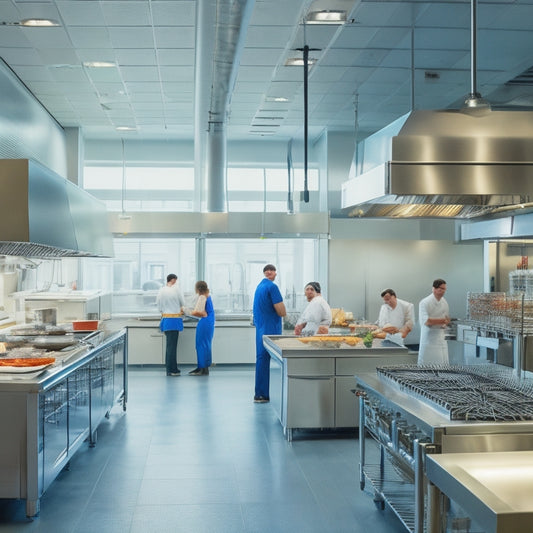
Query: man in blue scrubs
[268,310]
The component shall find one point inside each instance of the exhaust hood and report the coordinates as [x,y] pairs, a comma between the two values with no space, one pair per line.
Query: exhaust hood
[447,163]
[45,215]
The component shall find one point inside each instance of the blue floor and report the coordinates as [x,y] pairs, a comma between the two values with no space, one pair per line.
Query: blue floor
[195,454]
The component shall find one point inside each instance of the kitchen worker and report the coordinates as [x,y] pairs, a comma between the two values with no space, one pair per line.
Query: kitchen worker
[434,317]
[205,329]
[316,317]
[170,303]
[396,316]
[268,309]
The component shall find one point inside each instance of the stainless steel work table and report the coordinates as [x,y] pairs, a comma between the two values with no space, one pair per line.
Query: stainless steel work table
[494,489]
[310,385]
[46,418]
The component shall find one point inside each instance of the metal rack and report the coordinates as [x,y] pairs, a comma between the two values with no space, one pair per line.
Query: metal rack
[521,282]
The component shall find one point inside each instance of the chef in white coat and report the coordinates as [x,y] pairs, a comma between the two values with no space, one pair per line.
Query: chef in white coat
[434,315]
[396,317]
[316,317]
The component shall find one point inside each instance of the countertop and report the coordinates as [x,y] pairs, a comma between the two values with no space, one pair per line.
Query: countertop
[67,359]
[188,322]
[291,346]
[493,488]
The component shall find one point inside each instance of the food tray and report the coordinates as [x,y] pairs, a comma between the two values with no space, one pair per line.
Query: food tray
[23,369]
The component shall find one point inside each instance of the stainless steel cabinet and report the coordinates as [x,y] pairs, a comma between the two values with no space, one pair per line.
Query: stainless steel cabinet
[47,419]
[312,388]
[55,433]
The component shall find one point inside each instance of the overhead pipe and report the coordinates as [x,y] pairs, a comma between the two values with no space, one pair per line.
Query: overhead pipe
[474,101]
[230,25]
[306,120]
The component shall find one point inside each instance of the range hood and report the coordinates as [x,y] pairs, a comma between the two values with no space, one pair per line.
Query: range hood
[45,215]
[448,163]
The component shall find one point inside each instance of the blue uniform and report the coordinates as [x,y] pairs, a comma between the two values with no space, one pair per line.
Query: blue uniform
[204,335]
[267,322]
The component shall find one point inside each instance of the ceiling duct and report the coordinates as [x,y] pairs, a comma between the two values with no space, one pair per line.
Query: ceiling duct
[454,164]
[229,30]
[44,215]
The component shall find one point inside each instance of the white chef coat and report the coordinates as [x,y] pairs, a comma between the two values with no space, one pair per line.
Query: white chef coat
[169,299]
[433,346]
[317,313]
[402,315]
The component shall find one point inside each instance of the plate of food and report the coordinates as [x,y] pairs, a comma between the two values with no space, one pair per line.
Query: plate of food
[22,365]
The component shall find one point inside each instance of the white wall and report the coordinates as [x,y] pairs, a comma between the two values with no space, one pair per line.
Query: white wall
[362,266]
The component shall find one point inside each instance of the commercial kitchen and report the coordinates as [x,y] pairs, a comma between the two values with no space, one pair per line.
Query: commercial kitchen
[360,144]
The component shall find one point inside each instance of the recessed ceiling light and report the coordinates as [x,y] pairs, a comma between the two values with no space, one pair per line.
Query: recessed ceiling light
[39,23]
[126,128]
[299,62]
[326,16]
[99,64]
[276,99]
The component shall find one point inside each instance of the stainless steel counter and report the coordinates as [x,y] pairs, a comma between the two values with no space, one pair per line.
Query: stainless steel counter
[410,431]
[47,418]
[311,385]
[493,488]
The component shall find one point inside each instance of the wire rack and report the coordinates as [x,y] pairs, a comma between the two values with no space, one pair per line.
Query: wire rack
[508,313]
[480,392]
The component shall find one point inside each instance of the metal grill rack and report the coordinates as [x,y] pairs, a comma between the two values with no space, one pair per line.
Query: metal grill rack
[467,392]
[510,314]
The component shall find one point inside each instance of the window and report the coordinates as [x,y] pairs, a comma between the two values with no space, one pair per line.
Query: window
[146,188]
[234,267]
[141,267]
[264,189]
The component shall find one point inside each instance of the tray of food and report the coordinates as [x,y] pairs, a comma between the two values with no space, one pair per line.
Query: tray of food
[23,365]
[330,341]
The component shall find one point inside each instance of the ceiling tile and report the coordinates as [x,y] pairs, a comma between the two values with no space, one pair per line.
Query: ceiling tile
[127,37]
[170,37]
[174,13]
[86,37]
[126,13]
[81,13]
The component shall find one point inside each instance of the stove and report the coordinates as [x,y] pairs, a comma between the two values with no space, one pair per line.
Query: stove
[467,392]
[409,412]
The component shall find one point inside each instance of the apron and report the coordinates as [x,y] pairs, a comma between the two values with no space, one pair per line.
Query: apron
[433,348]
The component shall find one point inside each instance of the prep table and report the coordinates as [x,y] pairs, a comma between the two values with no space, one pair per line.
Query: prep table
[493,488]
[310,386]
[46,416]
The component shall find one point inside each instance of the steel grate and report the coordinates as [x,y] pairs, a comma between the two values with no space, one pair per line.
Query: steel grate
[466,392]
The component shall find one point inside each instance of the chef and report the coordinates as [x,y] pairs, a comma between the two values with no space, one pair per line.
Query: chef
[396,317]
[434,317]
[316,317]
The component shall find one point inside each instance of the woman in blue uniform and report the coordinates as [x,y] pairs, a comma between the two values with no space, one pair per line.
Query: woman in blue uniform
[204,330]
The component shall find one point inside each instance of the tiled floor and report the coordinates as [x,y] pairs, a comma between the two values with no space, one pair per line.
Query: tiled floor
[195,454]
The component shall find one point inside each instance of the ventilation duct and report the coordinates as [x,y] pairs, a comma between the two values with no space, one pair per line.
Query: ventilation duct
[216,71]
[44,215]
